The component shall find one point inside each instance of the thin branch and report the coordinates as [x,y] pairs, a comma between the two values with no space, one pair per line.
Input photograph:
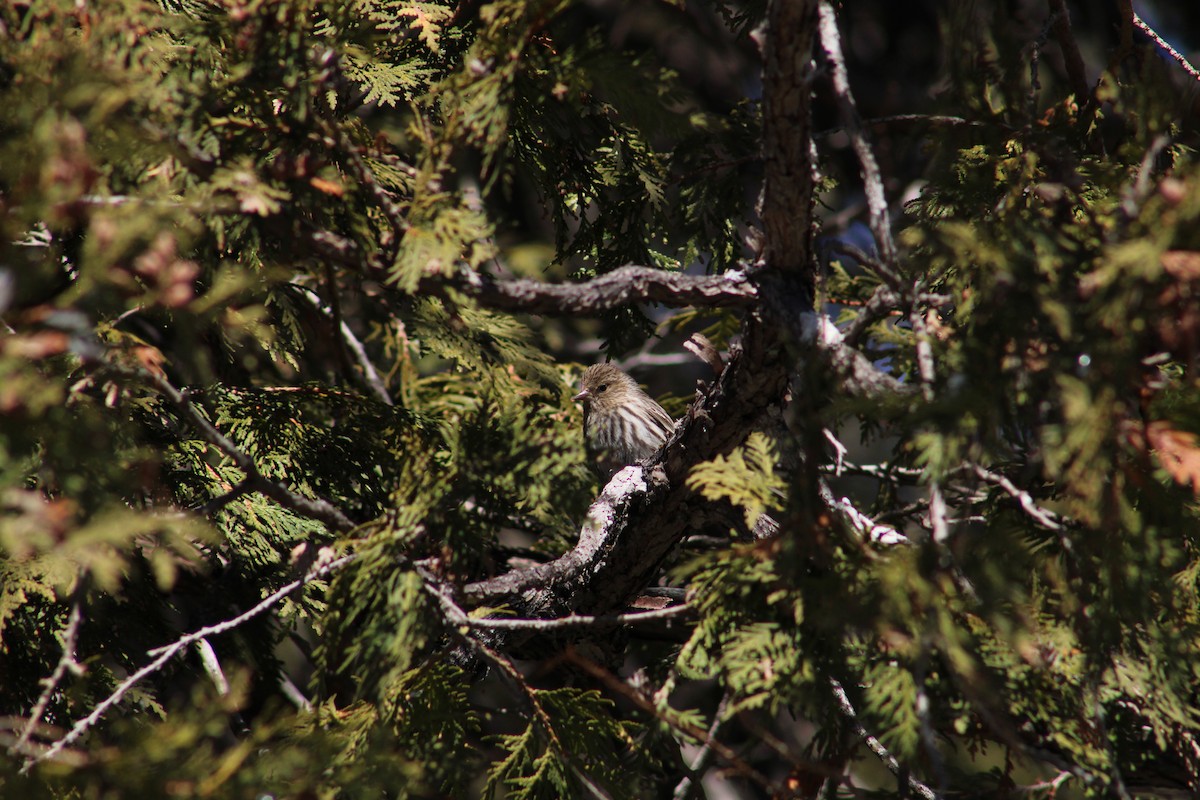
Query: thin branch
[876,747]
[66,662]
[1180,59]
[212,666]
[1047,519]
[373,381]
[877,209]
[684,787]
[697,733]
[906,119]
[855,373]
[884,472]
[1052,786]
[292,692]
[580,621]
[459,619]
[1076,73]
[882,302]
[867,528]
[220,501]
[318,509]
[1035,84]
[166,653]
[1135,194]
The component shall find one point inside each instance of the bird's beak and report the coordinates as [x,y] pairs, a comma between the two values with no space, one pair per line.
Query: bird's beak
[584,395]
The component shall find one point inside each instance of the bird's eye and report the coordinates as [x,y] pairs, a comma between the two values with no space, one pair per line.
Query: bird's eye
[603,386]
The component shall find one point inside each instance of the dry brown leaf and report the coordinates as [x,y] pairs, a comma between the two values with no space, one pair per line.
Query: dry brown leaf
[1182,264]
[35,346]
[1178,452]
[328,187]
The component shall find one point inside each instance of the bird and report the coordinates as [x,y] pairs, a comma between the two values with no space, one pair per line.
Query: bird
[622,424]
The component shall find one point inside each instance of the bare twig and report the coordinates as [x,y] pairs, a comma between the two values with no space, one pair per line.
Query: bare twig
[1047,519]
[877,209]
[647,705]
[371,376]
[1134,195]
[212,666]
[884,472]
[459,619]
[856,375]
[696,769]
[166,653]
[876,747]
[580,621]
[907,119]
[292,692]
[1035,56]
[882,302]
[1051,786]
[866,527]
[1180,59]
[66,662]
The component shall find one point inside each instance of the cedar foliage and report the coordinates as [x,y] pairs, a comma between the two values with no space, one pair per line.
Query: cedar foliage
[207,193]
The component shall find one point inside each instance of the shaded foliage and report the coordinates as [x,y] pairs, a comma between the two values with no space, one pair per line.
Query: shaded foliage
[246,198]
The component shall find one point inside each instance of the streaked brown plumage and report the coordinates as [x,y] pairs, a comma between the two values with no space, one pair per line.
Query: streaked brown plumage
[622,424]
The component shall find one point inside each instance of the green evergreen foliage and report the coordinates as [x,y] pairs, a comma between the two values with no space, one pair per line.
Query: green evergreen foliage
[287,210]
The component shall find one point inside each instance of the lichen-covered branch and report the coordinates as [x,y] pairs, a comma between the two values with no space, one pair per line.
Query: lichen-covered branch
[621,287]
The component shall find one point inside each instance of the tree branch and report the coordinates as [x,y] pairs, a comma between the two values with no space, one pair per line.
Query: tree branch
[788,167]
[349,340]
[684,788]
[1162,44]
[66,662]
[579,621]
[1070,50]
[166,653]
[877,209]
[636,697]
[1047,519]
[318,509]
[876,746]
[621,287]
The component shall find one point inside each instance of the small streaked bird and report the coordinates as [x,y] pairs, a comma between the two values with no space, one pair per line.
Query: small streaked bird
[622,424]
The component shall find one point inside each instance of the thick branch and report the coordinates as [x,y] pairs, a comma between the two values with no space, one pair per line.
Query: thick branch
[623,286]
[787,137]
[643,514]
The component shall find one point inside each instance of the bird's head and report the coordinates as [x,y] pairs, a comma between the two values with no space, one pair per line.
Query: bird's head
[604,386]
